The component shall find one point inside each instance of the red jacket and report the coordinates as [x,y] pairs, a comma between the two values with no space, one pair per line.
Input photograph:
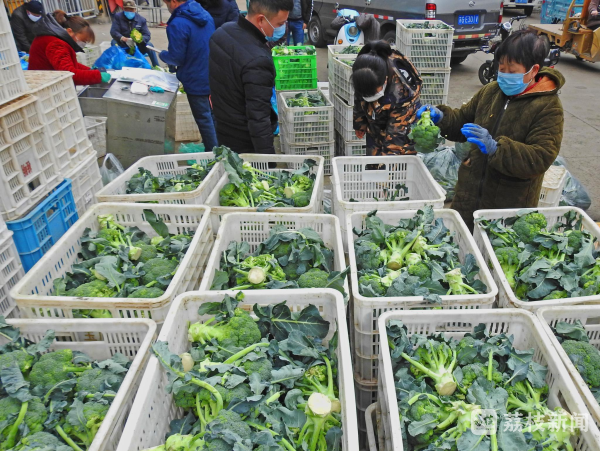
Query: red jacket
[52,53]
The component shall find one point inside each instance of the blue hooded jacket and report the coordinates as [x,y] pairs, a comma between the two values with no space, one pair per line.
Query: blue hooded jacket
[223,11]
[189,29]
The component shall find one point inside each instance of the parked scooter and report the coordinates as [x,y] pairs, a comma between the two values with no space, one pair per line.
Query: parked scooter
[348,33]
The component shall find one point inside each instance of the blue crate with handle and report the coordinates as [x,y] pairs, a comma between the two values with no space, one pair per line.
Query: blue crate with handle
[37,232]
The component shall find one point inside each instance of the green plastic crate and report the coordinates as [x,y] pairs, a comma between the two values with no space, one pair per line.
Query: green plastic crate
[295,84]
[296,61]
[295,72]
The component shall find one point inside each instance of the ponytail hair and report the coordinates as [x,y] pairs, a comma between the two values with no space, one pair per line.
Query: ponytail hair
[75,23]
[371,68]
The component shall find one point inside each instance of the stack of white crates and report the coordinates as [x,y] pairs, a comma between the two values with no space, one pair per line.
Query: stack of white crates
[306,130]
[28,170]
[340,59]
[72,151]
[429,49]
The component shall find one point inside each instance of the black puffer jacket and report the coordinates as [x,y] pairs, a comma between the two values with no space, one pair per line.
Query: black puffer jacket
[242,76]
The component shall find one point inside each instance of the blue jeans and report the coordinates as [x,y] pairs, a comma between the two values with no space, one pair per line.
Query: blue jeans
[296,31]
[202,113]
[143,49]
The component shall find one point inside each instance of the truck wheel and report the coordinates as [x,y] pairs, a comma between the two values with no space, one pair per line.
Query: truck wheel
[316,34]
[390,37]
[457,59]
[528,11]
[486,73]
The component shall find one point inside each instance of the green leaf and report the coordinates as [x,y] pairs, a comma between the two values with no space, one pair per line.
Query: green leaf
[427,423]
[574,331]
[287,375]
[308,321]
[108,268]
[333,438]
[299,345]
[14,383]
[156,223]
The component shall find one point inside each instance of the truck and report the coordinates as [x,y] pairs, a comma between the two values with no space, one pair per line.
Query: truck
[473,20]
[526,5]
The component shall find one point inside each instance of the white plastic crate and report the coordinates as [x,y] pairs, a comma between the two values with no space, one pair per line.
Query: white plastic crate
[367,310]
[158,165]
[153,408]
[261,162]
[323,86]
[527,333]
[339,78]
[371,422]
[186,128]
[254,228]
[506,296]
[62,115]
[324,149]
[11,271]
[358,178]
[12,82]
[101,339]
[590,319]
[86,182]
[96,131]
[305,125]
[436,84]
[33,294]
[336,50]
[357,148]
[426,48]
[29,169]
[552,186]
[344,119]
[89,55]
[366,395]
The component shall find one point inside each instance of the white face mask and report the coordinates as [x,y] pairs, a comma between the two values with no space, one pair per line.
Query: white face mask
[81,44]
[377,96]
[33,18]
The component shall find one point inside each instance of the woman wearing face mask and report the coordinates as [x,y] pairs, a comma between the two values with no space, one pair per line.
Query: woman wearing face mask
[515,128]
[58,37]
[386,91]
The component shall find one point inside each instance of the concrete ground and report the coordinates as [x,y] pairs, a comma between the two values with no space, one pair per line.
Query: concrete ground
[580,97]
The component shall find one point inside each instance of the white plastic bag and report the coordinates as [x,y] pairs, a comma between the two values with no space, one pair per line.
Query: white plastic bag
[111,169]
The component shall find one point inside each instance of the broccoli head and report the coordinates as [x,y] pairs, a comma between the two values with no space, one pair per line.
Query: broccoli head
[240,392]
[301,199]
[291,270]
[282,249]
[42,441]
[509,261]
[474,370]
[94,289]
[557,294]
[314,278]
[98,380]
[52,368]
[420,270]
[371,285]
[184,399]
[231,196]
[147,293]
[368,255]
[35,416]
[148,251]
[233,423]
[529,225]
[257,271]
[157,268]
[240,330]
[86,428]
[261,366]
[399,246]
[586,359]
[437,361]
[20,357]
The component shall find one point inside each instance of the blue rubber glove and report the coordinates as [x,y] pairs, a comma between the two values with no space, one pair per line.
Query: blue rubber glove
[478,135]
[436,115]
[105,77]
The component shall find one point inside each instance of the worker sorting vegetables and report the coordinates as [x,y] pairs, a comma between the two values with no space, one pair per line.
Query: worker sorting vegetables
[387,88]
[514,125]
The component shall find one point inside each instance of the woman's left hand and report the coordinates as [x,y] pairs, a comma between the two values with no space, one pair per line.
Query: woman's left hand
[478,135]
[359,134]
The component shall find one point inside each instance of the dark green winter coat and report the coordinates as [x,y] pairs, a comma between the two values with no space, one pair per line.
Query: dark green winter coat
[528,129]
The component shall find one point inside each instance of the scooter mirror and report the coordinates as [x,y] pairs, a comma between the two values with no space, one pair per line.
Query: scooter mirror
[507,26]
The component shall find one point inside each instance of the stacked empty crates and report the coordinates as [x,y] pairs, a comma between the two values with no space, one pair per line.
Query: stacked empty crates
[428,44]
[302,130]
[340,59]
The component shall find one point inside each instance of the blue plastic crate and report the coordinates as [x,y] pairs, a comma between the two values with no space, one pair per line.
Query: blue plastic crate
[37,232]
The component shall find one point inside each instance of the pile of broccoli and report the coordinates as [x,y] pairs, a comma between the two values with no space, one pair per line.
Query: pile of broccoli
[247,384]
[145,182]
[417,257]
[53,401]
[575,341]
[253,188]
[542,262]
[123,262]
[425,134]
[287,259]
[444,386]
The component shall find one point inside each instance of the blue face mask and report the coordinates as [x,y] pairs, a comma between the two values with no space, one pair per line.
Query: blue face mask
[129,15]
[277,32]
[512,84]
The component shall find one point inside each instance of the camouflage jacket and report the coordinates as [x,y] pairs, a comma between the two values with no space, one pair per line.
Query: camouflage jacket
[387,121]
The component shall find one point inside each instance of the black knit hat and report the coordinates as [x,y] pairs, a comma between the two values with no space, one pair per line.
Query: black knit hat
[34,7]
